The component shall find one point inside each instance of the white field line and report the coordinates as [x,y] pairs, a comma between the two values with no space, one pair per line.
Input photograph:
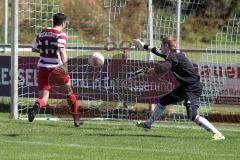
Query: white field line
[160,149]
[174,125]
[188,125]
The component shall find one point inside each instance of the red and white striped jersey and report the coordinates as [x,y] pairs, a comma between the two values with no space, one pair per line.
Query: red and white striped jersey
[48,43]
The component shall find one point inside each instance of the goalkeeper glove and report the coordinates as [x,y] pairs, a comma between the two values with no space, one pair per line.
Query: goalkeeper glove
[142,45]
[141,72]
[138,43]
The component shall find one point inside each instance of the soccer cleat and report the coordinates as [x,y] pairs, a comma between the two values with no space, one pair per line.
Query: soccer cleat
[76,124]
[32,112]
[218,137]
[143,125]
[76,120]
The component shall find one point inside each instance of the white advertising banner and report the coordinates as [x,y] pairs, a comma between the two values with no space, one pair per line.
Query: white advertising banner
[221,81]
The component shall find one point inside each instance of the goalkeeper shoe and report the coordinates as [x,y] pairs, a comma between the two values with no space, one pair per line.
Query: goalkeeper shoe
[218,137]
[143,125]
[32,112]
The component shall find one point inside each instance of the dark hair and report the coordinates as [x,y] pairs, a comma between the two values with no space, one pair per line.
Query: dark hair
[171,41]
[58,19]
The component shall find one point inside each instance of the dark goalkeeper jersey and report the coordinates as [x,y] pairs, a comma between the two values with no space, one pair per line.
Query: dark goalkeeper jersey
[180,66]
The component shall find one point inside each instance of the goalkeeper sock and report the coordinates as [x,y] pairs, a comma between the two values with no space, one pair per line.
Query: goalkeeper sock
[41,103]
[204,123]
[157,111]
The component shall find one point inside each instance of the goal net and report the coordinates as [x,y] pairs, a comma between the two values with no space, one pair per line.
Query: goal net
[108,26]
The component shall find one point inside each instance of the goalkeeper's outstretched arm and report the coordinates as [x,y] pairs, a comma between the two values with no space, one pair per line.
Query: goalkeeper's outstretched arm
[154,50]
[160,69]
[163,68]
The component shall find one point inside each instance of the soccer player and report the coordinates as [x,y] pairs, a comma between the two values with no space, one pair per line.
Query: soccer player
[189,89]
[51,44]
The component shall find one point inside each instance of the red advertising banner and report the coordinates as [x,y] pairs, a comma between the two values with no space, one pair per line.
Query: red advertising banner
[114,81]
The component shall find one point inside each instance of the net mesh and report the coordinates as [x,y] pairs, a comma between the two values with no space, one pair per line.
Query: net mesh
[109,26]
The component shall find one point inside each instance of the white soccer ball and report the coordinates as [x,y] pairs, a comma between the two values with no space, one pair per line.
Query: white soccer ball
[96,60]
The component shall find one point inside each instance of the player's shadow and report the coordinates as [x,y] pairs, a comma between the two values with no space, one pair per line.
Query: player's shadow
[4,108]
[11,135]
[37,123]
[93,128]
[128,135]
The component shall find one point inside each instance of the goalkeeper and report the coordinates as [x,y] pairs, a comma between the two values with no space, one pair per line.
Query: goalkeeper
[189,89]
[51,44]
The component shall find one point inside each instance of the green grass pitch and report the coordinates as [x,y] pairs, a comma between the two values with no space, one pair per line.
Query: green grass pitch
[118,140]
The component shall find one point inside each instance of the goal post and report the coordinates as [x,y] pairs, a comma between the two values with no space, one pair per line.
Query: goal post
[14,61]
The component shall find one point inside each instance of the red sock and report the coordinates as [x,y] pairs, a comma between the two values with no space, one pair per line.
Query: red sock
[72,101]
[41,103]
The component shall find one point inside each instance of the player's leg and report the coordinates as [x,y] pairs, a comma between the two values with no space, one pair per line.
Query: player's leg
[72,102]
[192,106]
[155,114]
[39,103]
[170,98]
[43,87]
[204,123]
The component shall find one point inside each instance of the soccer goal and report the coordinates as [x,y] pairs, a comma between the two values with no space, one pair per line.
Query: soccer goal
[108,26]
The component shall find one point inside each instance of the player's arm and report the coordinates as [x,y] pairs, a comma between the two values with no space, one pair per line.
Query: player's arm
[147,47]
[154,50]
[160,69]
[62,43]
[63,55]
[163,67]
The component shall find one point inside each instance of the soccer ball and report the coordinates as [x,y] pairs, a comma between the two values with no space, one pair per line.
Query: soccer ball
[96,60]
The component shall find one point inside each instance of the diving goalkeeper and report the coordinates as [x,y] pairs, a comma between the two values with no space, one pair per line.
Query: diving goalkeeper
[189,89]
